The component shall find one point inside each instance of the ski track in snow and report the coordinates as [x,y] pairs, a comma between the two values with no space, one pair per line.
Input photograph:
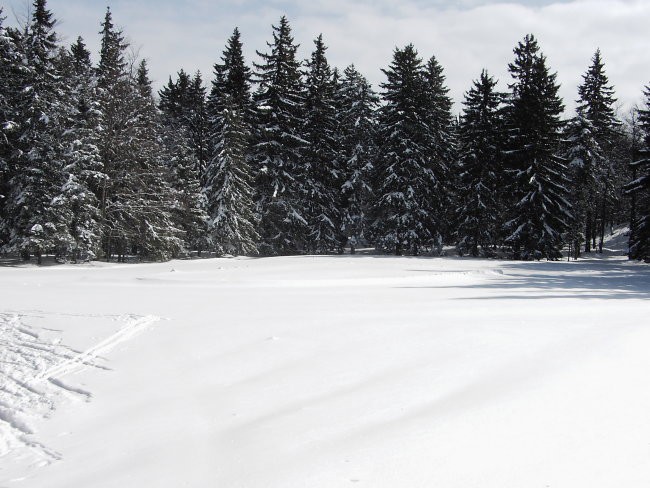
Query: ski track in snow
[31,368]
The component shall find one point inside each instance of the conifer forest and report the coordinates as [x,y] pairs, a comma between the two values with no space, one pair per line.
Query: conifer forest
[280,155]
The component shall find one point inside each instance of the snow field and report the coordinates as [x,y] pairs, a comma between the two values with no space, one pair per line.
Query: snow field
[334,372]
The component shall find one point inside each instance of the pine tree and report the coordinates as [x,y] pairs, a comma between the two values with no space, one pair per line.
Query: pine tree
[441,142]
[231,85]
[229,178]
[189,207]
[37,175]
[76,209]
[480,162]
[584,155]
[595,105]
[230,204]
[323,175]
[358,145]
[174,100]
[639,190]
[540,209]
[180,104]
[404,177]
[278,147]
[11,63]
[197,123]
[183,106]
[137,199]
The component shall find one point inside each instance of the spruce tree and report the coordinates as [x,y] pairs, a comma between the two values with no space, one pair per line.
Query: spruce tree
[358,146]
[197,123]
[278,146]
[77,207]
[180,105]
[37,175]
[230,204]
[321,158]
[174,100]
[537,174]
[137,199]
[481,168]
[189,204]
[639,190]
[150,197]
[231,85]
[596,106]
[183,106]
[229,178]
[11,63]
[584,156]
[441,147]
[404,177]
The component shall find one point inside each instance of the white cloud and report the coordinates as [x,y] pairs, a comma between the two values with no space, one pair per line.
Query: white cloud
[465,35]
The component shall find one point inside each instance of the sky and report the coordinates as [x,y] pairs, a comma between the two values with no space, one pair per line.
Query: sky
[464,35]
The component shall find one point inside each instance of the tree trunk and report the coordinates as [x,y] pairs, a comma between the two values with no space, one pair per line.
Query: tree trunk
[588,231]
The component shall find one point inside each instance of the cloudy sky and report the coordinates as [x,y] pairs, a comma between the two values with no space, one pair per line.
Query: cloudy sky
[465,35]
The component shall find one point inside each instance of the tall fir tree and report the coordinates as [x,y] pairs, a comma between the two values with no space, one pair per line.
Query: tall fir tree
[404,178]
[585,156]
[279,146]
[189,208]
[136,198]
[77,207]
[540,211]
[321,157]
[639,190]
[596,106]
[481,168]
[37,176]
[358,146]
[178,108]
[183,105]
[11,74]
[230,203]
[174,100]
[197,123]
[149,198]
[229,178]
[114,92]
[231,85]
[442,145]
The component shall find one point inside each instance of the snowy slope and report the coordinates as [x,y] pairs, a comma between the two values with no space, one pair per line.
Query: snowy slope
[326,372]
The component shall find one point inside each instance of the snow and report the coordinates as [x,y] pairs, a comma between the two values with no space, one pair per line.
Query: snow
[326,371]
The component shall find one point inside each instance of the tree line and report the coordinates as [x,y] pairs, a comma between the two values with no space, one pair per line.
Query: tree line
[294,156]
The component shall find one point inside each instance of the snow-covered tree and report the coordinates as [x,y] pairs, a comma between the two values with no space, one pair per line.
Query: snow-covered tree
[76,209]
[584,156]
[596,105]
[11,74]
[357,128]
[481,168]
[183,105]
[404,177]
[231,85]
[441,150]
[137,199]
[229,178]
[639,190]
[189,206]
[278,147]
[540,211]
[37,175]
[321,156]
[230,204]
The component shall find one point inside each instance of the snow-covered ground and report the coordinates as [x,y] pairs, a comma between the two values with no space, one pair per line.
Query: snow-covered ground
[326,372]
